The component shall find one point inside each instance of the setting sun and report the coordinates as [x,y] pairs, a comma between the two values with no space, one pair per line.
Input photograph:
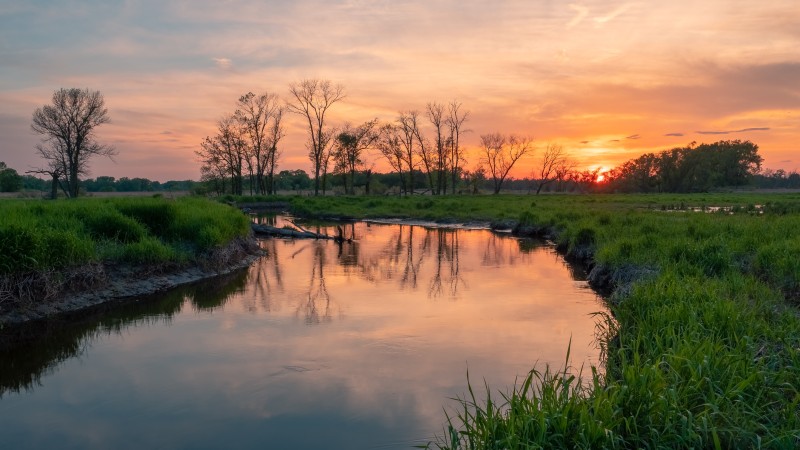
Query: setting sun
[607,80]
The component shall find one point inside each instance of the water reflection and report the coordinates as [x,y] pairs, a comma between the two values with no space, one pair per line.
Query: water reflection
[28,353]
[316,345]
[317,307]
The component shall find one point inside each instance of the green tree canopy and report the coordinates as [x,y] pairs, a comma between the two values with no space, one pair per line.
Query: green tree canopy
[10,180]
[689,169]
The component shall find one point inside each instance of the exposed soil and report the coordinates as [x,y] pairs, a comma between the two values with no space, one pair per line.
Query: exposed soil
[45,295]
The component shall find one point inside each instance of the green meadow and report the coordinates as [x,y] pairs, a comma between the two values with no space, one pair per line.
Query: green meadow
[702,349]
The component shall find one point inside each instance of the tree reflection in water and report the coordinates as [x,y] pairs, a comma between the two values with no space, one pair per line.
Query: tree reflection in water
[399,258]
[261,283]
[318,295]
[409,257]
[446,254]
[314,332]
[29,352]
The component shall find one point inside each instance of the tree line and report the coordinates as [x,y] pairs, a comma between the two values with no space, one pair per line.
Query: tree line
[427,141]
[245,150]
[424,149]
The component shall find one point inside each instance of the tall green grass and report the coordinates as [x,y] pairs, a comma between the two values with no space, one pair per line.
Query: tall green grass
[703,350]
[41,235]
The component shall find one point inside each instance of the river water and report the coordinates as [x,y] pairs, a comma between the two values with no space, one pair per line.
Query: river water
[317,345]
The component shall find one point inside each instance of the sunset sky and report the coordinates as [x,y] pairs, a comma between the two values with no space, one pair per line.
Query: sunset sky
[608,80]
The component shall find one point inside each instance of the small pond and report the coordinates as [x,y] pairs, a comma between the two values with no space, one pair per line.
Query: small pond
[317,345]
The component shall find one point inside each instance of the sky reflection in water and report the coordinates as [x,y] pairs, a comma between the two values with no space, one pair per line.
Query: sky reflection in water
[318,345]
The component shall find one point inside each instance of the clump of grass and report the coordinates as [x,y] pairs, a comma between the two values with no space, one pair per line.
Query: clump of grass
[158,216]
[109,223]
[21,248]
[147,251]
[205,226]
[528,219]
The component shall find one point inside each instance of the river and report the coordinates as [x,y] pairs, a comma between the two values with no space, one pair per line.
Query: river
[317,345]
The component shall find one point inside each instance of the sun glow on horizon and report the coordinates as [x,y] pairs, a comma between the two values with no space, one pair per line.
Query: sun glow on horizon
[626,80]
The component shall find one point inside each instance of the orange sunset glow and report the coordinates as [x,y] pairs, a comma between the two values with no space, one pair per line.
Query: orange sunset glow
[607,80]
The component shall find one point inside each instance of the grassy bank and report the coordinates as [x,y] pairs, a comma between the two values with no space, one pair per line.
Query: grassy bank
[704,347]
[44,242]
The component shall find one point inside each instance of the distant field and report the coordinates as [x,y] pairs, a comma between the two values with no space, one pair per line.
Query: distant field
[37,194]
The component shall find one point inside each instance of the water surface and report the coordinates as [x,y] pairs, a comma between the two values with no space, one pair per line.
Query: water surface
[317,345]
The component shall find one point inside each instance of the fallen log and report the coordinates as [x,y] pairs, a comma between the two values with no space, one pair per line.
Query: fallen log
[266,230]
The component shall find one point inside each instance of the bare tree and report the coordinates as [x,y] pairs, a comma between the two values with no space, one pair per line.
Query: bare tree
[68,128]
[455,121]
[564,169]
[328,141]
[224,156]
[407,122]
[390,144]
[348,152]
[435,113]
[254,113]
[276,133]
[500,153]
[553,159]
[312,99]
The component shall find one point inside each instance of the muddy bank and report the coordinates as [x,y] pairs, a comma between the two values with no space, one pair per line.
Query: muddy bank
[89,286]
[603,279]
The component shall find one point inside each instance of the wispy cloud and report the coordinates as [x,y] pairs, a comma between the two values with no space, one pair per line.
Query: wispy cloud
[674,134]
[743,130]
[620,10]
[633,136]
[580,13]
[223,63]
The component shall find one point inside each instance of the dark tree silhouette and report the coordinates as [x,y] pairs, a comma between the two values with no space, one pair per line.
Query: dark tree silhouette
[349,148]
[312,99]
[689,169]
[500,153]
[68,129]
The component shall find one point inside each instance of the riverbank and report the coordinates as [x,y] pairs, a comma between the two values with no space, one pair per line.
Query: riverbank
[113,283]
[61,256]
[703,345]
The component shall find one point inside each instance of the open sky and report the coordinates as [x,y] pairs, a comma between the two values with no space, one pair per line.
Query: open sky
[608,80]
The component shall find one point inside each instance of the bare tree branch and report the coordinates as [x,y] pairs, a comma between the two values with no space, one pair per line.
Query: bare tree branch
[553,159]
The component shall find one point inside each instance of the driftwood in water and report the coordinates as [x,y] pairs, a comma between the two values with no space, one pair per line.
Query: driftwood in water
[266,230]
